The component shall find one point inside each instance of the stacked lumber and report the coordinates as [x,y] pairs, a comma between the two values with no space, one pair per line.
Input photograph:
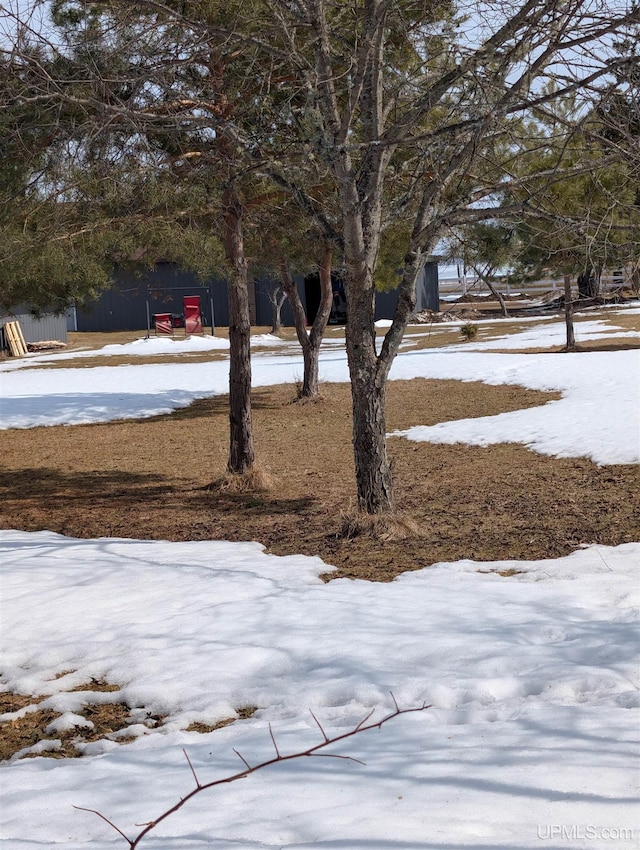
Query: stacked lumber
[46,345]
[13,334]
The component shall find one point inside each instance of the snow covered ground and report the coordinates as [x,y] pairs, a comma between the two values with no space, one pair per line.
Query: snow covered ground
[532,737]
[599,388]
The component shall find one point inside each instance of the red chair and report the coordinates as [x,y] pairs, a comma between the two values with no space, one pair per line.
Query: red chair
[163,323]
[192,316]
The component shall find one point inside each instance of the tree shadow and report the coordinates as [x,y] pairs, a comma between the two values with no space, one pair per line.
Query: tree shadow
[50,491]
[49,483]
[218,405]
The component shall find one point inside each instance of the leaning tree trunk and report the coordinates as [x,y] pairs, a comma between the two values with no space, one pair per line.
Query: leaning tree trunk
[568,314]
[499,297]
[241,452]
[310,384]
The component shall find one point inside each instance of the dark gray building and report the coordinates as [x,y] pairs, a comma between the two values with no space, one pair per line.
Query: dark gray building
[129,305]
[133,299]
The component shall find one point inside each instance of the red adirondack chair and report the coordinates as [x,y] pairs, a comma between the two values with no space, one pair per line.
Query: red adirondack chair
[192,317]
[163,323]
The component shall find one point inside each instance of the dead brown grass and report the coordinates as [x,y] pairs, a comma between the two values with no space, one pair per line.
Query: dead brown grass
[256,480]
[106,718]
[23,732]
[30,728]
[382,528]
[150,479]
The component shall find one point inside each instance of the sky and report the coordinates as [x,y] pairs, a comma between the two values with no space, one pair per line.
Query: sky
[531,740]
[16,12]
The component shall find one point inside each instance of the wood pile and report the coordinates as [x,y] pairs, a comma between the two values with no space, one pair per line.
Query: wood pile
[15,339]
[46,345]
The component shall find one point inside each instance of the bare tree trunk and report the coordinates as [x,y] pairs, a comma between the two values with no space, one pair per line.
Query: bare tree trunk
[310,387]
[568,314]
[277,297]
[368,395]
[369,372]
[241,452]
[373,470]
[498,296]
[276,319]
[310,341]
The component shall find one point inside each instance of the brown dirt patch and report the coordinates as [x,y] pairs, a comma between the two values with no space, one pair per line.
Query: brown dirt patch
[31,728]
[149,479]
[620,319]
[20,733]
[125,360]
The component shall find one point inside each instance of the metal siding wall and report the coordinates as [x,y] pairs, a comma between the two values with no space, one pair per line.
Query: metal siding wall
[124,306]
[427,290]
[263,304]
[384,307]
[386,304]
[427,294]
[114,311]
[47,327]
[220,303]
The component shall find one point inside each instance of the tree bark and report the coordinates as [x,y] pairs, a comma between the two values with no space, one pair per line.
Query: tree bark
[369,372]
[368,395]
[498,296]
[568,314]
[276,318]
[311,340]
[241,451]
[373,470]
[277,297]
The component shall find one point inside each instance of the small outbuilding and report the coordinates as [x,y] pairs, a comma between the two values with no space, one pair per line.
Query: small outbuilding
[41,328]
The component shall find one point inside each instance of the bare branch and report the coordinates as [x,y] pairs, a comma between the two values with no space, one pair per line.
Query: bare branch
[395,701]
[273,739]
[324,734]
[364,720]
[106,819]
[192,768]
[311,751]
[242,759]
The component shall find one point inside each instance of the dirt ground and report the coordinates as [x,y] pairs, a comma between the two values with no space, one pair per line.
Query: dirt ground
[150,479]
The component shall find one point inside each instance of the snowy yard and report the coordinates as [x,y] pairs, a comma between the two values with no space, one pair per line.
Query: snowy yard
[531,667]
